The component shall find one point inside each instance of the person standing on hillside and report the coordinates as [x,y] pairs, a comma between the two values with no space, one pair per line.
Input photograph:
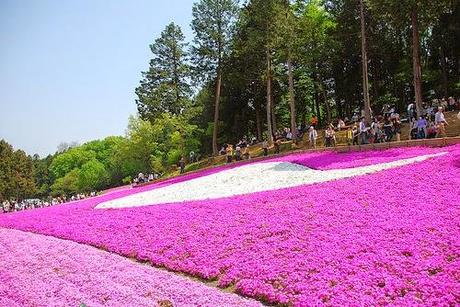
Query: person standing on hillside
[421,128]
[238,153]
[141,177]
[246,153]
[314,121]
[440,122]
[363,131]
[340,124]
[182,165]
[355,134]
[397,127]
[229,152]
[265,148]
[349,136]
[451,103]
[411,112]
[329,138]
[277,145]
[312,136]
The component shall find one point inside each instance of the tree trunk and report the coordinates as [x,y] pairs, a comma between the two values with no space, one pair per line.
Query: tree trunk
[274,125]
[318,111]
[269,98]
[367,104]
[339,107]
[445,77]
[292,100]
[328,107]
[215,150]
[317,95]
[416,62]
[258,124]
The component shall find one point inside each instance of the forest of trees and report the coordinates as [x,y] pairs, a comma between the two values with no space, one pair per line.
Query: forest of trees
[280,61]
[257,66]
[98,164]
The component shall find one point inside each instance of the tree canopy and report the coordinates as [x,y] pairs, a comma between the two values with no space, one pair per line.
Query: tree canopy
[165,85]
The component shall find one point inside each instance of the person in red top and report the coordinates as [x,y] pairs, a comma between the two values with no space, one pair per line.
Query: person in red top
[313,121]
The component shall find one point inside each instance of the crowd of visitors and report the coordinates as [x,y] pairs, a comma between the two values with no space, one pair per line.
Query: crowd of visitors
[383,128]
[386,126]
[26,204]
[142,178]
[238,152]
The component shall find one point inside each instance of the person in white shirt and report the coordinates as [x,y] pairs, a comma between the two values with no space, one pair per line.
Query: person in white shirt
[340,125]
[265,147]
[141,178]
[312,136]
[440,122]
[444,103]
[410,112]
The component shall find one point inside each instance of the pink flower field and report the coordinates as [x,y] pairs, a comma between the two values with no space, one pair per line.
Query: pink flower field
[54,272]
[332,160]
[390,237]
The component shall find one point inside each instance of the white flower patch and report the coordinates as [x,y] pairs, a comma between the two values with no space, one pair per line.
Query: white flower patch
[247,179]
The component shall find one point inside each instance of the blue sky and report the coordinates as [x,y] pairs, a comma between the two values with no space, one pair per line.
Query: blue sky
[68,69]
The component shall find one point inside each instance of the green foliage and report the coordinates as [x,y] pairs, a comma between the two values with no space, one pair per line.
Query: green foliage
[386,99]
[126,180]
[67,161]
[67,185]
[149,146]
[92,176]
[398,12]
[158,145]
[193,166]
[213,25]
[43,177]
[16,173]
[164,87]
[86,168]
[173,156]
[304,92]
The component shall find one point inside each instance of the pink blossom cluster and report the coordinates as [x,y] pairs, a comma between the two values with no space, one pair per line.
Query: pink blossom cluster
[391,237]
[333,160]
[36,270]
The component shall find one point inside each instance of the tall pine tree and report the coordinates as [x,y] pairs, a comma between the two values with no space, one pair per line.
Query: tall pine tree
[212,23]
[165,87]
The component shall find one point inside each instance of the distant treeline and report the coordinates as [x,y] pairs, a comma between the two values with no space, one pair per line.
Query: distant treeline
[98,164]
